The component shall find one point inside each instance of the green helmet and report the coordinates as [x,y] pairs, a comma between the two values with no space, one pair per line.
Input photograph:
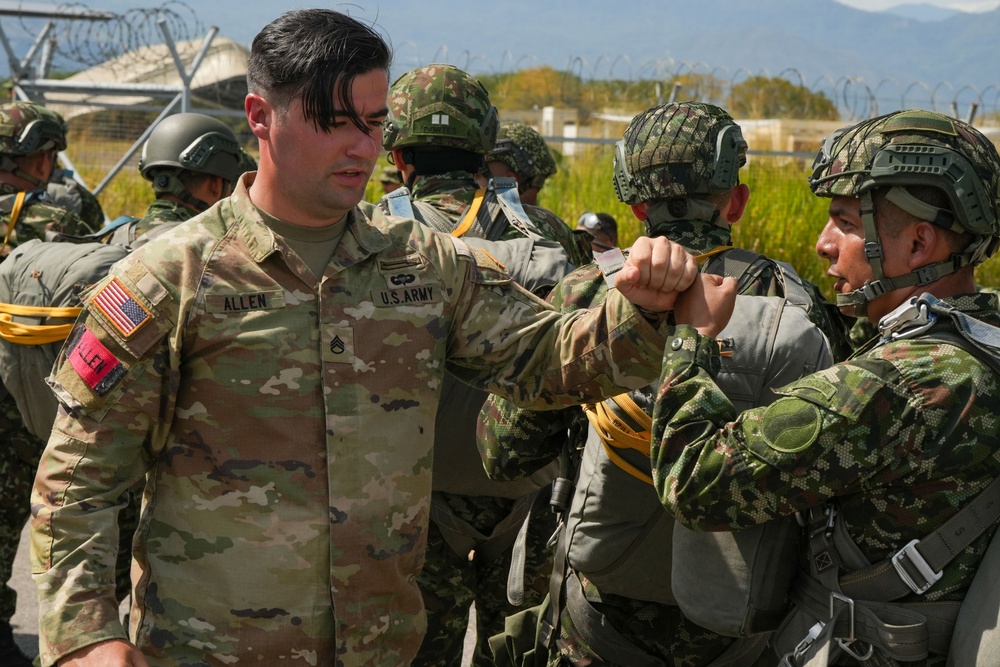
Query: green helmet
[440,105]
[678,150]
[26,128]
[524,151]
[194,142]
[920,149]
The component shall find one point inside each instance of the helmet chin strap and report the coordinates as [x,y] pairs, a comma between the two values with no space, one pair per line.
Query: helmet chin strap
[880,284]
[8,164]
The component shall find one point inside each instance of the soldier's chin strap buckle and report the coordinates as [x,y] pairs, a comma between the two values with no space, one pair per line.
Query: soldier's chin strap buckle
[910,319]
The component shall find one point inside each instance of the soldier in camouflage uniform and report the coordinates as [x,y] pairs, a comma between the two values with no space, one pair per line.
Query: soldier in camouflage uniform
[30,138]
[677,167]
[882,449]
[522,154]
[192,161]
[272,369]
[474,521]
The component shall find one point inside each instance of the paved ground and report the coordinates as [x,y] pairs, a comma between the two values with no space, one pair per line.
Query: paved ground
[25,621]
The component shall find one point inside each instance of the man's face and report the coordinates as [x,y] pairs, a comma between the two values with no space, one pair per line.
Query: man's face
[842,244]
[322,174]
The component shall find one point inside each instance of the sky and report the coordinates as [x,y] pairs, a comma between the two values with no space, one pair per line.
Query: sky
[957,5]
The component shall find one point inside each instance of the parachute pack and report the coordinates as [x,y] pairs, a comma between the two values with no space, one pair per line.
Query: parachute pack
[616,531]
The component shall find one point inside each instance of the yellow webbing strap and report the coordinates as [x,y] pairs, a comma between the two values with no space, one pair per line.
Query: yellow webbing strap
[15,213]
[713,252]
[34,334]
[470,215]
[616,434]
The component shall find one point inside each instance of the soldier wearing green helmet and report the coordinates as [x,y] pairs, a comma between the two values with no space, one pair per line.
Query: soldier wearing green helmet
[888,458]
[522,154]
[677,166]
[440,127]
[192,161]
[31,136]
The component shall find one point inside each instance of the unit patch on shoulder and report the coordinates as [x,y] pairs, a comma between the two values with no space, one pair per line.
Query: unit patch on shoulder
[121,308]
[96,365]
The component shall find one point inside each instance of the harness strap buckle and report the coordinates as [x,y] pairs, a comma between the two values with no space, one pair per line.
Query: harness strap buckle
[921,566]
[792,658]
[834,599]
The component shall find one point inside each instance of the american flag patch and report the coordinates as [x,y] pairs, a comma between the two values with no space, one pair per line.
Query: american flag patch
[121,308]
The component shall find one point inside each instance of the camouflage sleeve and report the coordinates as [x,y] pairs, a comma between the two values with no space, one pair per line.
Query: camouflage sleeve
[113,384]
[716,470]
[511,343]
[515,443]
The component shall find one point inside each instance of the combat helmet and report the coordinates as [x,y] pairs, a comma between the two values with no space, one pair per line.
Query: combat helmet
[678,150]
[906,149]
[524,151]
[440,105]
[193,142]
[27,128]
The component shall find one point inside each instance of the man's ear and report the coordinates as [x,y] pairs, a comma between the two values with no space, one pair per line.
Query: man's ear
[738,199]
[926,244]
[260,115]
[639,210]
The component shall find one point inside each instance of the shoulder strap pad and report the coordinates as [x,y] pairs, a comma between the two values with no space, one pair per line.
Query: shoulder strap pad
[398,203]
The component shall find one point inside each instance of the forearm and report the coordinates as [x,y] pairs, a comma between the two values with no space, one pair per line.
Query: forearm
[78,493]
[515,443]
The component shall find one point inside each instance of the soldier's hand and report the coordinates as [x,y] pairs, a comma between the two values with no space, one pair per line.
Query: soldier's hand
[707,305]
[655,271]
[111,653]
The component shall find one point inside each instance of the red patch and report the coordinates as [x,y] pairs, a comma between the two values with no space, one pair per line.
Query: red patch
[95,363]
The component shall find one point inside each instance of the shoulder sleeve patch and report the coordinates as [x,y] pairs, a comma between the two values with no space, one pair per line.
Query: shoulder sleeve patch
[789,426]
[132,306]
[93,370]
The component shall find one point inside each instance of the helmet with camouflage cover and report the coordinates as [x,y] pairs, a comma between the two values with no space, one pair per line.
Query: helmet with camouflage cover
[678,150]
[26,128]
[524,151]
[440,105]
[194,142]
[911,149]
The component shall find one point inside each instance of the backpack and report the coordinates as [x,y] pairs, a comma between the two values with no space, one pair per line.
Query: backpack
[40,286]
[617,531]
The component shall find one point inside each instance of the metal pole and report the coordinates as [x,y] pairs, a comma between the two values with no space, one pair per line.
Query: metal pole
[138,142]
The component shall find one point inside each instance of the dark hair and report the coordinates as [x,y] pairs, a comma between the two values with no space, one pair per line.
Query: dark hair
[315,54]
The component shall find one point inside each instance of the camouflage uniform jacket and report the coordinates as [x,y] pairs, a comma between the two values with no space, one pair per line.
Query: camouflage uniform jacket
[285,430]
[38,218]
[163,212]
[452,193]
[902,435]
